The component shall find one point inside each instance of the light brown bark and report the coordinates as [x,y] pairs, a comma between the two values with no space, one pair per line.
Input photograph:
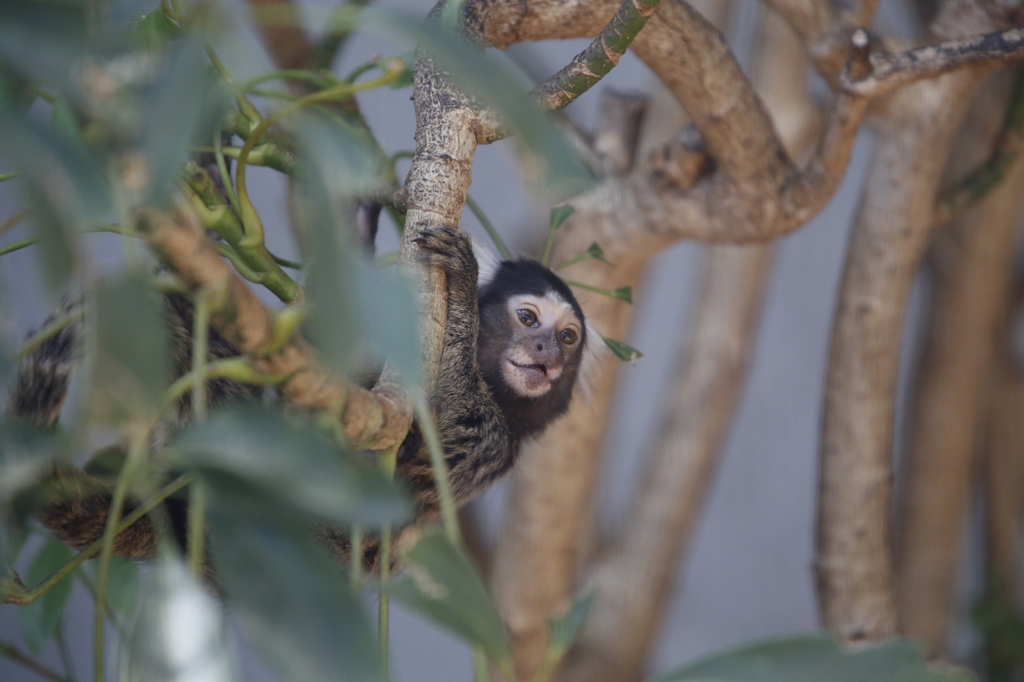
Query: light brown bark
[638,572]
[892,228]
[972,273]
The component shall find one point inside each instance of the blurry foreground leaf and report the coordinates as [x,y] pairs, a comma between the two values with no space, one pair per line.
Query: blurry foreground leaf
[130,371]
[442,583]
[292,463]
[64,187]
[123,587]
[813,658]
[360,315]
[41,618]
[290,597]
[562,630]
[24,455]
[43,41]
[183,108]
[154,30]
[179,635]
[558,171]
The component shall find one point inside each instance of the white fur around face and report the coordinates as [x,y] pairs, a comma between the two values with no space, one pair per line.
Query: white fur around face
[523,370]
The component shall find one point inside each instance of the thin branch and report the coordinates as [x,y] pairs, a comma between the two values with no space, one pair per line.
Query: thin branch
[889,71]
[586,68]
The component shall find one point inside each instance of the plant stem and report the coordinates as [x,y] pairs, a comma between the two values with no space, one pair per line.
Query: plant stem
[440,467]
[136,453]
[491,232]
[222,168]
[13,220]
[387,460]
[316,79]
[7,176]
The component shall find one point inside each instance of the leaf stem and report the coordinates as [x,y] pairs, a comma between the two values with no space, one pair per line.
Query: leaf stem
[489,227]
[356,558]
[48,332]
[444,488]
[136,453]
[13,653]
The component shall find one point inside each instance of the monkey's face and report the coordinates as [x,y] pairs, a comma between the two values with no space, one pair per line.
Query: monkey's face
[544,335]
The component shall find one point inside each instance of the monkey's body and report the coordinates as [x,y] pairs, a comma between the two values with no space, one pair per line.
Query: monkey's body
[511,358]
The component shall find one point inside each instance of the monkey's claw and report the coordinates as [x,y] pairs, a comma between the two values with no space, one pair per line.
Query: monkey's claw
[447,248]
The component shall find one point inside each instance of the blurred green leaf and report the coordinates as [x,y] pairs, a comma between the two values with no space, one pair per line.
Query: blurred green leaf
[404,80]
[180,633]
[64,184]
[45,42]
[41,618]
[25,453]
[559,214]
[623,351]
[123,586]
[562,630]
[360,315]
[442,583]
[293,463]
[183,109]
[289,596]
[63,119]
[129,372]
[107,463]
[154,30]
[557,170]
[813,658]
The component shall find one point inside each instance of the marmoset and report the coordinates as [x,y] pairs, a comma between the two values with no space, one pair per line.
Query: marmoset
[516,345]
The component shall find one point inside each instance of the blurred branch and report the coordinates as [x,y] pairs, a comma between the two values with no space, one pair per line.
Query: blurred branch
[288,44]
[892,229]
[375,419]
[586,68]
[640,569]
[972,275]
[536,558]
[991,173]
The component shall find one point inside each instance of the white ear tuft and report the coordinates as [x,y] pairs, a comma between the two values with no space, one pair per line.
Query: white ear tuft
[487,263]
[593,355]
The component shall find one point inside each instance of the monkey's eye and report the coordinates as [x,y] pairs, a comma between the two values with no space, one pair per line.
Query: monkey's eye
[526,317]
[568,336]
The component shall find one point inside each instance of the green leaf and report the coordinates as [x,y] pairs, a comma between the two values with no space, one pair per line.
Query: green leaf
[183,109]
[123,586]
[360,315]
[25,453]
[442,583]
[179,634]
[129,371]
[44,42]
[290,598]
[559,214]
[623,351]
[41,618]
[813,658]
[64,187]
[63,119]
[562,630]
[556,169]
[294,464]
[107,462]
[404,79]
[154,30]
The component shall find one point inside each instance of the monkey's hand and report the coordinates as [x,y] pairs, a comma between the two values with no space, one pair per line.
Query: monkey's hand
[452,251]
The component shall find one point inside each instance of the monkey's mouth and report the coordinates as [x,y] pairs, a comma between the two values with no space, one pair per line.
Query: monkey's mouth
[532,368]
[530,379]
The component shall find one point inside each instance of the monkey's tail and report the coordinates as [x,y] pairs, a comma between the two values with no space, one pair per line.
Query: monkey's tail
[41,385]
[76,504]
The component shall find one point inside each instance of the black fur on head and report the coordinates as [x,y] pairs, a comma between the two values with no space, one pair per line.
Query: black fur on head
[498,329]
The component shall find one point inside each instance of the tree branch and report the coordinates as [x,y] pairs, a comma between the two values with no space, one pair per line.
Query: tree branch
[375,419]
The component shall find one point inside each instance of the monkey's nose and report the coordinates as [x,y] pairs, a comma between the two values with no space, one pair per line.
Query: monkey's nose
[539,346]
